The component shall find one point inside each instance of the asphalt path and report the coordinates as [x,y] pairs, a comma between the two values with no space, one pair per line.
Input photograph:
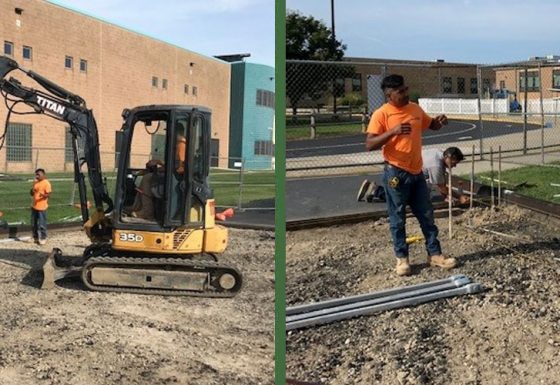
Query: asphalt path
[455,132]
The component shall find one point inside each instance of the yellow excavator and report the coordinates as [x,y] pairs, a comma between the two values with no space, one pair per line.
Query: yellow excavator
[170,249]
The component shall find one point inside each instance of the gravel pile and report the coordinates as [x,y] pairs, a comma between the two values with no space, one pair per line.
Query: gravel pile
[510,334]
[72,336]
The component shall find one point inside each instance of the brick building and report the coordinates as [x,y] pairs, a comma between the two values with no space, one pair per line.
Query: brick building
[362,77]
[111,68]
[542,72]
[424,78]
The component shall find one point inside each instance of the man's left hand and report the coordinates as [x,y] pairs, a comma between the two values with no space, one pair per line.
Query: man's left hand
[438,122]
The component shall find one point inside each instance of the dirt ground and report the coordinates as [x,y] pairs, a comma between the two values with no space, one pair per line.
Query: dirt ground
[510,334]
[72,336]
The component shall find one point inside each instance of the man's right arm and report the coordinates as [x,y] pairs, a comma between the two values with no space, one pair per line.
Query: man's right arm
[376,141]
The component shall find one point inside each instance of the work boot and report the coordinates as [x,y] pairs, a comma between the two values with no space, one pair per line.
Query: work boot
[42,242]
[403,267]
[363,189]
[442,261]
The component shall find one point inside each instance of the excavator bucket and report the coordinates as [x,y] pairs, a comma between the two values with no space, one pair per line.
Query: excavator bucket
[53,272]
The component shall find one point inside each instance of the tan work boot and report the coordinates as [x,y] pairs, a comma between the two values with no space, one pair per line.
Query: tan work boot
[403,267]
[442,261]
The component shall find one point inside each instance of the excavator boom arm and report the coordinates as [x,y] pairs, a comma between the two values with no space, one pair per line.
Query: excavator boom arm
[65,106]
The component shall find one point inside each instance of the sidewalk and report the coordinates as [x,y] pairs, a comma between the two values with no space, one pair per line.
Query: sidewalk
[319,200]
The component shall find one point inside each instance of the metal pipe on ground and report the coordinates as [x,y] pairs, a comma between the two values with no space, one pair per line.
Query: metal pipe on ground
[378,301]
[298,309]
[471,288]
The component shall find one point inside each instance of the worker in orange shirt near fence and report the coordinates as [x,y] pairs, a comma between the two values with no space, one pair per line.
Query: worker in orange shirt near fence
[397,127]
[40,192]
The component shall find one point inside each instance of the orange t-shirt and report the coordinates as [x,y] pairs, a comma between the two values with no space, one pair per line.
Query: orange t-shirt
[40,188]
[402,151]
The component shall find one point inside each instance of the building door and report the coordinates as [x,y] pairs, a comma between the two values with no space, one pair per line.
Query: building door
[214,152]
[374,92]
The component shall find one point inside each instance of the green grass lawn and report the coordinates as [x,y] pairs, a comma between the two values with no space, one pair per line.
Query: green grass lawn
[323,130]
[15,199]
[537,178]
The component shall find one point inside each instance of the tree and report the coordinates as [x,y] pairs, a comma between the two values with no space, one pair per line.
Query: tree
[310,39]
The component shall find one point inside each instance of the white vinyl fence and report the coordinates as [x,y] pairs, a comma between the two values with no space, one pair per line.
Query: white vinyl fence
[488,106]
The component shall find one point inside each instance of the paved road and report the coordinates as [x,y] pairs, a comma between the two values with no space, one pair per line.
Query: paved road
[455,132]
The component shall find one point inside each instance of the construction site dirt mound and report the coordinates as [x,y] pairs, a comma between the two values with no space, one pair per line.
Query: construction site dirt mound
[68,335]
[509,334]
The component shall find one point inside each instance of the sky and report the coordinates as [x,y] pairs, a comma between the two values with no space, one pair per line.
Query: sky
[208,27]
[463,31]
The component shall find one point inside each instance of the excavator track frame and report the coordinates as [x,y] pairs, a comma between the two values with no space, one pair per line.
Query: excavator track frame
[209,286]
[143,275]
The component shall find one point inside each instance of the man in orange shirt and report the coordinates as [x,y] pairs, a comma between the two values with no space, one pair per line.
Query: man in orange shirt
[40,192]
[396,128]
[180,154]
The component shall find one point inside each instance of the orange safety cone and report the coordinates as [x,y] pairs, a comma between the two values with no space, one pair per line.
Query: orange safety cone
[79,206]
[227,213]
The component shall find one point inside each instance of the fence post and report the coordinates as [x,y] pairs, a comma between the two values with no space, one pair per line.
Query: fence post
[36,160]
[481,129]
[542,115]
[525,86]
[73,194]
[241,170]
[313,127]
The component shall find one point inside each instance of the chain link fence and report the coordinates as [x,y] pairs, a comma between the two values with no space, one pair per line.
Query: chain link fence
[245,186]
[513,107]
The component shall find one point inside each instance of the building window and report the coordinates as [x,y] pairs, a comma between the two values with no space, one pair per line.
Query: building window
[474,86]
[27,52]
[339,87]
[555,78]
[68,151]
[447,85]
[83,65]
[533,81]
[502,84]
[195,91]
[186,89]
[18,142]
[264,147]
[154,81]
[460,85]
[68,62]
[164,84]
[357,83]
[8,48]
[485,85]
[265,98]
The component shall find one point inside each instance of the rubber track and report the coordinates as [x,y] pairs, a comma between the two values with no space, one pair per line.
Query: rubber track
[104,261]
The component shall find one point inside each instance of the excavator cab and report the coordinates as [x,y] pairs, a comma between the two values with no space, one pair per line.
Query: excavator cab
[165,180]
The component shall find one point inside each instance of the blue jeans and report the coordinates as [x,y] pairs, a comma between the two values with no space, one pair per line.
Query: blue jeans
[39,224]
[409,189]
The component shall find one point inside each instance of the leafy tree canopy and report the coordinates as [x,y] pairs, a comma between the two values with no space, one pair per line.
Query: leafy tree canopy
[310,39]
